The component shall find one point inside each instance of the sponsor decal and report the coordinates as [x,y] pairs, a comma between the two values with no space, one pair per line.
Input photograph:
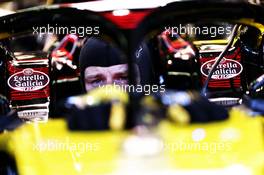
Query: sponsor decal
[226,101]
[226,69]
[34,115]
[28,80]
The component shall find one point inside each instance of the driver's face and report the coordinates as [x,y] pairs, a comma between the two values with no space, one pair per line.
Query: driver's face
[95,76]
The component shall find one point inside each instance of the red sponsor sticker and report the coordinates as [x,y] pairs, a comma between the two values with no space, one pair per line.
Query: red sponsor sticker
[226,69]
[28,80]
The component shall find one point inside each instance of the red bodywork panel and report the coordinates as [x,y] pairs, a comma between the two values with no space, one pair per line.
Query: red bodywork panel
[38,79]
[236,81]
[129,21]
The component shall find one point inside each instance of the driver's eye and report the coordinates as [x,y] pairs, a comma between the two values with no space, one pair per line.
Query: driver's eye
[123,77]
[97,82]
[121,80]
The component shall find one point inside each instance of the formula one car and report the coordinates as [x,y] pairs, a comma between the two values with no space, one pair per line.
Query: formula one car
[185,95]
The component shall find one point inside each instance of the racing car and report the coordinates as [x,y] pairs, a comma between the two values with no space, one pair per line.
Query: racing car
[187,97]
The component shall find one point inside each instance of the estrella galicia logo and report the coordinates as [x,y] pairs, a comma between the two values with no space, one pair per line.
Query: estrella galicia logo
[226,69]
[28,80]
